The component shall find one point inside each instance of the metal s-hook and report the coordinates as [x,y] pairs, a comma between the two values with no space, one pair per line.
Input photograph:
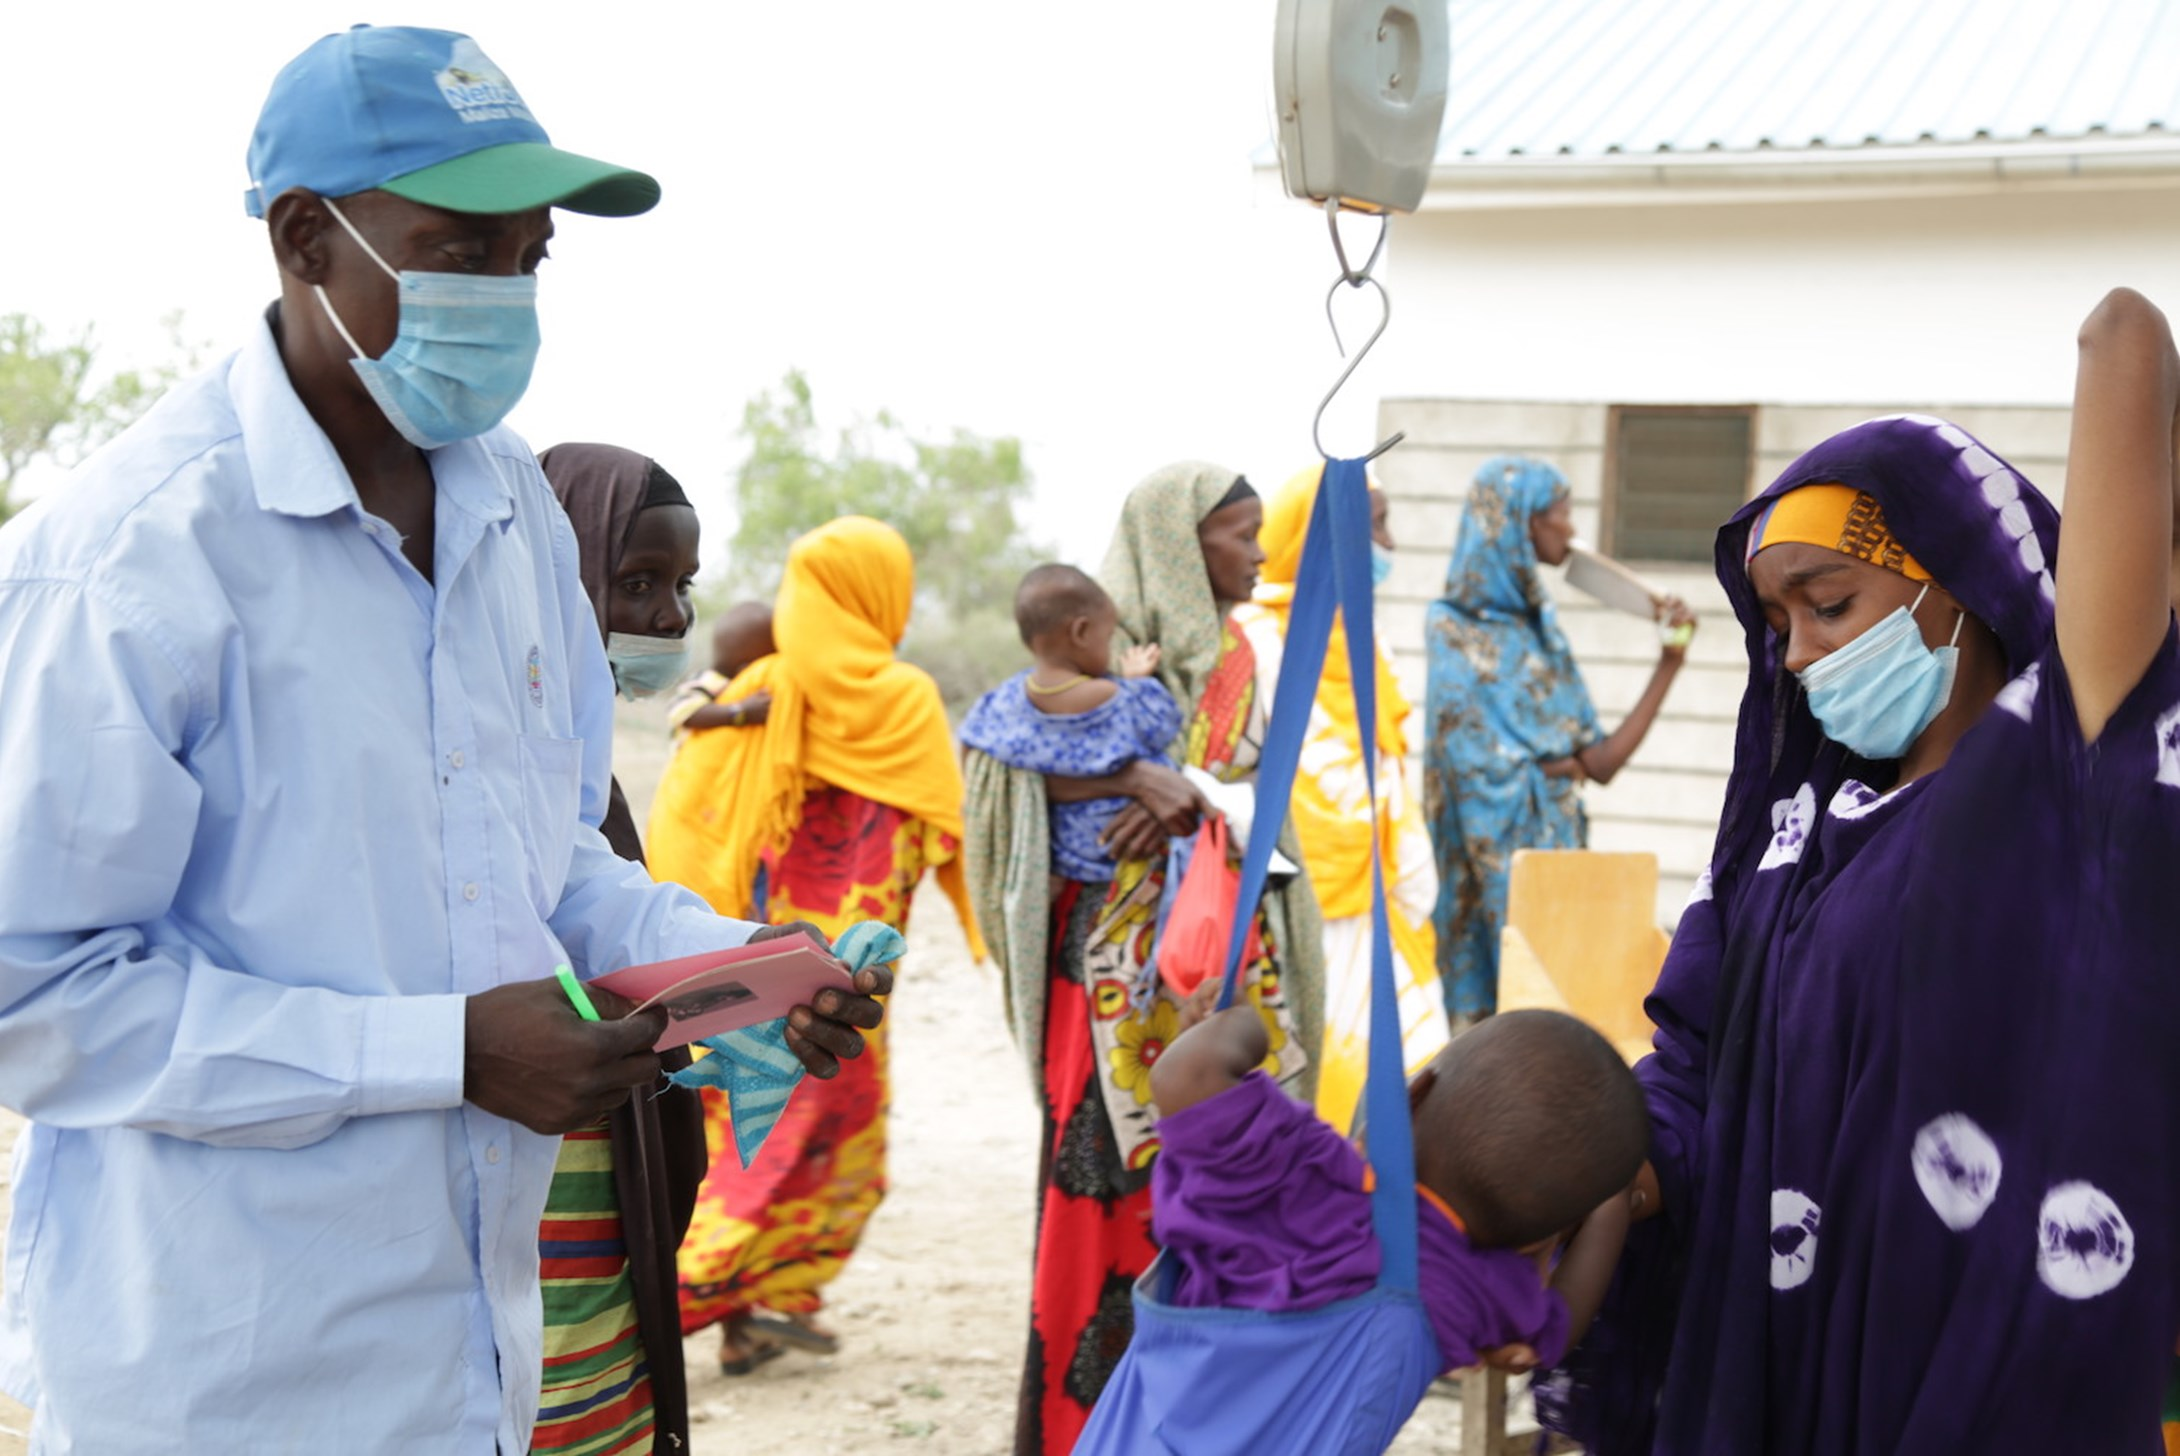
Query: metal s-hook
[1349,279]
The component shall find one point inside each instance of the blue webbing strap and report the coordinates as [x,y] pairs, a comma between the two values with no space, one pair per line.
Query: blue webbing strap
[1339,539]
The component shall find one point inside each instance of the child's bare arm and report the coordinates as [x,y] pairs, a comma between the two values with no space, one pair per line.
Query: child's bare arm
[1139,661]
[1209,1058]
[747,712]
[1585,1270]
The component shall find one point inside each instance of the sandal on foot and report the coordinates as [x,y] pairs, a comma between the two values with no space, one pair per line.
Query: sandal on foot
[789,1330]
[754,1353]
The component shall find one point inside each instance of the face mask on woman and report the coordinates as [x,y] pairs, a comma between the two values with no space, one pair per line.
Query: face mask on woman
[643,666]
[462,351]
[1381,565]
[1877,694]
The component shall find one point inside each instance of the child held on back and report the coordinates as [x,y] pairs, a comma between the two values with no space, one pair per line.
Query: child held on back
[1529,1134]
[1069,715]
[743,635]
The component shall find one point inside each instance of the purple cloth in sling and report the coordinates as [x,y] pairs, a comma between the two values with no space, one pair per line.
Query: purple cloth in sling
[1915,1111]
[1259,1204]
[1268,1333]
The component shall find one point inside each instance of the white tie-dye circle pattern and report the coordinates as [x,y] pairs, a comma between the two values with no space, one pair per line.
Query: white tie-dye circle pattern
[1790,822]
[2002,489]
[1857,800]
[1794,1221]
[2019,696]
[2168,747]
[2084,1244]
[1957,1166]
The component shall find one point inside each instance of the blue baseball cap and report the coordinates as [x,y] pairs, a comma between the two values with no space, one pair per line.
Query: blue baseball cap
[423,114]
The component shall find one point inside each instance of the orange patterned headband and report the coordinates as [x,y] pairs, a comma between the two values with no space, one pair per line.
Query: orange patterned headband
[1838,518]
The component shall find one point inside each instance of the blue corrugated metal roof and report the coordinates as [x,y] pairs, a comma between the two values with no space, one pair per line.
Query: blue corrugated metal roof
[1589,78]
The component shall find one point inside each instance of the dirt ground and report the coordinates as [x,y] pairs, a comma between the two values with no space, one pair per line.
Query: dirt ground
[932,1311]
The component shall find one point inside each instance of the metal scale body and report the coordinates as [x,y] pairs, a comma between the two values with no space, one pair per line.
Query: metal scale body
[1360,87]
[1360,90]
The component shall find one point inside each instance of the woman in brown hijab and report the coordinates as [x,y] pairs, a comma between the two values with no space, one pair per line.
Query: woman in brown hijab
[636,535]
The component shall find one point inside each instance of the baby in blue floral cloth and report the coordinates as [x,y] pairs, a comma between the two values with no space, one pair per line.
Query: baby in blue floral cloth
[1068,715]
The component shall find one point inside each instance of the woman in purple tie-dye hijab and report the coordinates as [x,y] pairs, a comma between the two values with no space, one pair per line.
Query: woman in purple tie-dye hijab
[1915,1106]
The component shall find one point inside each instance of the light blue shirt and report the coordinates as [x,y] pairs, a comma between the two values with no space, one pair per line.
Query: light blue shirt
[271,806]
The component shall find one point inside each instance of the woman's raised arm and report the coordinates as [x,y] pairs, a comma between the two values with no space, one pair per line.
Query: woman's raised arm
[1604,759]
[2115,536]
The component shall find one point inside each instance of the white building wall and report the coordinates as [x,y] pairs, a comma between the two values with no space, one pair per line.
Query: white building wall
[1667,799]
[1828,300]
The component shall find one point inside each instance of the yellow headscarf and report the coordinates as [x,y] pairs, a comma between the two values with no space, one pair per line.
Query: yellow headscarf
[1335,845]
[1286,523]
[845,712]
[1838,518]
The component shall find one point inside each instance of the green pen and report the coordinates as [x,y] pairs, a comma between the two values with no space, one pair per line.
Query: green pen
[577,996]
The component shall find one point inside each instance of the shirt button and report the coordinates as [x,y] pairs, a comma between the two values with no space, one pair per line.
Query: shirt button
[492,1154]
[455,758]
[470,891]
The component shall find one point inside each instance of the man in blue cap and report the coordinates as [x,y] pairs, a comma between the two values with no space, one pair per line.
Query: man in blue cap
[307,725]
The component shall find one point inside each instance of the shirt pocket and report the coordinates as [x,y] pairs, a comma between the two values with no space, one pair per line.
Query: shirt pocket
[552,802]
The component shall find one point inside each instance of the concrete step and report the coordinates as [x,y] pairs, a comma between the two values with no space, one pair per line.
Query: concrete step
[2033,437]
[1525,426]
[1699,691]
[1665,795]
[1683,850]
[1677,744]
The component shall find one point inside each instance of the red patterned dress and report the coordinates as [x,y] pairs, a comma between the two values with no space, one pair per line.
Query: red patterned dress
[773,1235]
[1102,1035]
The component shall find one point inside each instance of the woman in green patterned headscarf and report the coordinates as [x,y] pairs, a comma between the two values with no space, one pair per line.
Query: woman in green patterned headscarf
[1085,1008]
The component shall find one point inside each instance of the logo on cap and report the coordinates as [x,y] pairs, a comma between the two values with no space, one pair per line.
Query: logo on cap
[477,90]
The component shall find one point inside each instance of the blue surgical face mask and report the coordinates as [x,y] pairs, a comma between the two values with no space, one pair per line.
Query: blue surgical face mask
[462,352]
[646,665]
[1381,565]
[1877,694]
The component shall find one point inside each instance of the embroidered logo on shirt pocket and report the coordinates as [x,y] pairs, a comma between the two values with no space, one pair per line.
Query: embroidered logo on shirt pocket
[552,802]
[537,679]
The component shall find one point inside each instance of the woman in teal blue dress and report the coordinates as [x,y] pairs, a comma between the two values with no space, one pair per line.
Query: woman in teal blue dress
[1511,734]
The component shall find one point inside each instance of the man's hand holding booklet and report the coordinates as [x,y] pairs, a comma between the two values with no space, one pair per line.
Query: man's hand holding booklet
[721,991]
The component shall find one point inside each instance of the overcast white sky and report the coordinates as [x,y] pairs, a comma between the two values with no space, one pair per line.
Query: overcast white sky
[1016,217]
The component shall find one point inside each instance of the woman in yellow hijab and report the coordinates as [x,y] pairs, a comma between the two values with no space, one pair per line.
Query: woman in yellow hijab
[828,811]
[1331,809]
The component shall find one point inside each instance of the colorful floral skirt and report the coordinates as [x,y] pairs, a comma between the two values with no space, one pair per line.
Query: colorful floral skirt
[1102,1037]
[773,1235]
[597,1392]
[1093,1222]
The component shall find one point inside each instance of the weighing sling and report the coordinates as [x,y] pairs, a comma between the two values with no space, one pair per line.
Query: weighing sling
[1208,1382]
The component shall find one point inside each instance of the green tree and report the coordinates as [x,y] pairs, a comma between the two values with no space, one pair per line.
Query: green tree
[51,406]
[955,500]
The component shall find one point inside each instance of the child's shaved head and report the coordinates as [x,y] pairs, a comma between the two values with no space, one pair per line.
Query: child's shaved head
[1053,595]
[743,634]
[1532,1120]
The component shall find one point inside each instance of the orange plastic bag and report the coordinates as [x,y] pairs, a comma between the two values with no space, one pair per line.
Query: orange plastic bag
[1201,922]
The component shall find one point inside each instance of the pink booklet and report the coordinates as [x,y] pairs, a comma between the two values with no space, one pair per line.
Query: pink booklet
[723,991]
